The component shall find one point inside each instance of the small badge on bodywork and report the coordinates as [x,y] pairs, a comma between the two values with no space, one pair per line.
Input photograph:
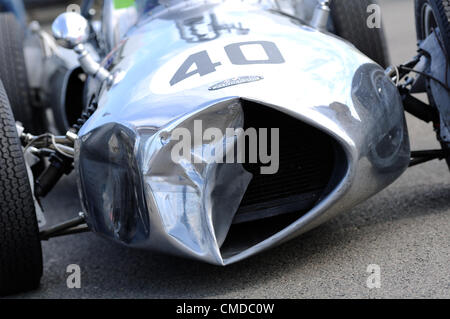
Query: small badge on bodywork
[235,81]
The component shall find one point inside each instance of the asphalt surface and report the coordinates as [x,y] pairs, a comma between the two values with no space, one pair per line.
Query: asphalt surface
[405,229]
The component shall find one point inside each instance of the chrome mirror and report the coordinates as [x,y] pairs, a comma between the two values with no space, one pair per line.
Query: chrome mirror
[70,29]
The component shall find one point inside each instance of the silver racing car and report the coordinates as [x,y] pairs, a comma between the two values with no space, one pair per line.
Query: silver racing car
[210,130]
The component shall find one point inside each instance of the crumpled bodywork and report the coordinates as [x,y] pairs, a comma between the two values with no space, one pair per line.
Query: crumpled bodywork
[193,202]
[133,191]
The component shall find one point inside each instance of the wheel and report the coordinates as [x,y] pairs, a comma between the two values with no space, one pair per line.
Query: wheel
[13,72]
[20,246]
[431,14]
[349,21]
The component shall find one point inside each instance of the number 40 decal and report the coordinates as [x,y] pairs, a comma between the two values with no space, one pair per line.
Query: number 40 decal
[234,52]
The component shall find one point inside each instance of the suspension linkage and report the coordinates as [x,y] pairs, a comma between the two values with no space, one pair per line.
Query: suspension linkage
[419,157]
[73,226]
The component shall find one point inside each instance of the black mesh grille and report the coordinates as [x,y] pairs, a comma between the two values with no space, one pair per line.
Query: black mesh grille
[307,158]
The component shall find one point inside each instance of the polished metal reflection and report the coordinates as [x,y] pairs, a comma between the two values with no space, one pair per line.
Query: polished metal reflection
[135,194]
[70,29]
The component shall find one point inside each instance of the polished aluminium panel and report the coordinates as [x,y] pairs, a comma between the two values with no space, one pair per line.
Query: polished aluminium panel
[133,193]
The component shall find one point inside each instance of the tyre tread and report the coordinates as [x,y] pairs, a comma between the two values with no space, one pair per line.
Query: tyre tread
[350,22]
[20,247]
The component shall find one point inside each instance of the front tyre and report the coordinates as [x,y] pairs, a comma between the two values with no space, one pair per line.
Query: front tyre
[432,14]
[20,246]
[13,72]
[349,21]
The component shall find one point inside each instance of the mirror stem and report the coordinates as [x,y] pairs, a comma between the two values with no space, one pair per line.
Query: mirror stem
[90,66]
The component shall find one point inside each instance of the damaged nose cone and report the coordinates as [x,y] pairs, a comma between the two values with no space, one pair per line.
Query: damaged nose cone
[191,200]
[197,195]
[224,147]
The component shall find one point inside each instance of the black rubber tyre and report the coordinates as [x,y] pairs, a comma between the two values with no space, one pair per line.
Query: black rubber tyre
[441,16]
[13,72]
[20,246]
[349,20]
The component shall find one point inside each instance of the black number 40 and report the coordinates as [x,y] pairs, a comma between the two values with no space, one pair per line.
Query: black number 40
[204,65]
